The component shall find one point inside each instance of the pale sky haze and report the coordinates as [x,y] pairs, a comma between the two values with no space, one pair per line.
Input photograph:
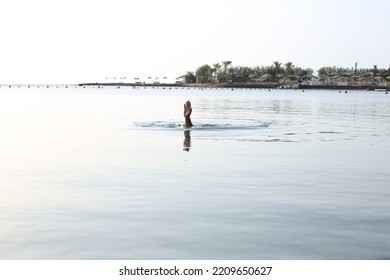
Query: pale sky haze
[85,41]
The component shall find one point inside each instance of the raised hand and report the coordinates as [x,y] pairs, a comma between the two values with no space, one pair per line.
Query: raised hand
[187,109]
[187,114]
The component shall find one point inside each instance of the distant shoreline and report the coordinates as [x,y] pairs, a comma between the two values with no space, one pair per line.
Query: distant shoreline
[269,85]
[249,86]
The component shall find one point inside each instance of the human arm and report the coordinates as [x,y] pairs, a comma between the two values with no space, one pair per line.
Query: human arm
[187,114]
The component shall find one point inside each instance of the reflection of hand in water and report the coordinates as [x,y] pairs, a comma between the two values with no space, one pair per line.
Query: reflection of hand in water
[187,140]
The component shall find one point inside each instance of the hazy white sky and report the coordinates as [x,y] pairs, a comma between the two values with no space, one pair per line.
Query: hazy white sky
[86,41]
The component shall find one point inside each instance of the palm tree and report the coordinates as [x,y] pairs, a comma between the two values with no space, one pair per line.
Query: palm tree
[215,69]
[226,64]
[278,67]
[289,68]
[204,73]
[189,77]
[375,70]
[231,74]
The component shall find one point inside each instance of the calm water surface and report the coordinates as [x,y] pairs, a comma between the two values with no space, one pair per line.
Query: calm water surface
[88,173]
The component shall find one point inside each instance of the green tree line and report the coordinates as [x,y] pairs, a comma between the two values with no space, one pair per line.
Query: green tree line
[349,72]
[225,72]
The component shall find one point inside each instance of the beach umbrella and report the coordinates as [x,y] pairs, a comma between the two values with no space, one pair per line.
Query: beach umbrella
[239,77]
[388,77]
[266,76]
[253,77]
[359,78]
[279,76]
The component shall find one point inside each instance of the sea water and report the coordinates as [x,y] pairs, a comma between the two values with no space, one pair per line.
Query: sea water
[111,173]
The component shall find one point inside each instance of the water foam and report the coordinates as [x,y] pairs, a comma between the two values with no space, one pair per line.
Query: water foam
[201,126]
